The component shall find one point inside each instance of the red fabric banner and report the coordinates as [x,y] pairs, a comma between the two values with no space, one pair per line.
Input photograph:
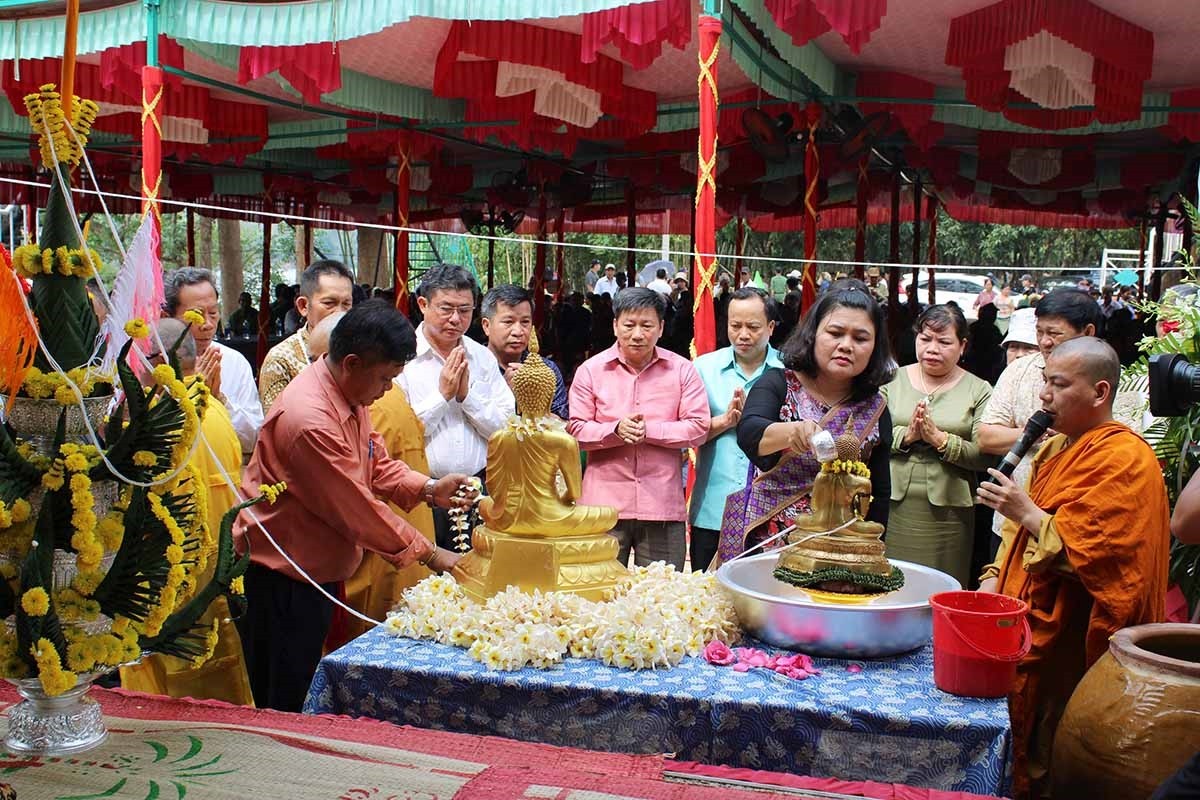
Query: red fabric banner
[805,20]
[152,115]
[812,174]
[312,69]
[627,111]
[637,30]
[705,264]
[979,43]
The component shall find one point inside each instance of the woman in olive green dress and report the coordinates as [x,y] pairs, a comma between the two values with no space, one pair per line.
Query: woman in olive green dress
[935,406]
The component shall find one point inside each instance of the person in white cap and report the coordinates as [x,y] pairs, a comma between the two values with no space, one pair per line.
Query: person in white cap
[1021,339]
[608,284]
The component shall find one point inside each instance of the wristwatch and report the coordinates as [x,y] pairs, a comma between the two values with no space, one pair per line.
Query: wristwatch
[427,491]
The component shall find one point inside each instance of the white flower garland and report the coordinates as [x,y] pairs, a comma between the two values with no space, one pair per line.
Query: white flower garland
[656,619]
[460,516]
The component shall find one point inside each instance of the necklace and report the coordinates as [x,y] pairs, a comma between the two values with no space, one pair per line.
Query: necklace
[925,388]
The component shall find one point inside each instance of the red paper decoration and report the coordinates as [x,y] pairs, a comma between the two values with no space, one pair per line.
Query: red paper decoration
[1061,54]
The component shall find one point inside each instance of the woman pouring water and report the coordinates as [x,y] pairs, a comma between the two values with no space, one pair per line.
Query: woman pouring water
[834,364]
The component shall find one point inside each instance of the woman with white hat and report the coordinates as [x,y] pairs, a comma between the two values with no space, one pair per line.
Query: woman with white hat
[1021,339]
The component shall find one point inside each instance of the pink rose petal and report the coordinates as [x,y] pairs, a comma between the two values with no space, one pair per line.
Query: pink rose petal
[854,668]
[741,666]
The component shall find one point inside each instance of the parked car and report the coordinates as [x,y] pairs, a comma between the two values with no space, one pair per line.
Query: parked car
[961,287]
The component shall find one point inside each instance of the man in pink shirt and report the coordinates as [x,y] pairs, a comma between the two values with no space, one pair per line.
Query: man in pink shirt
[634,407]
[319,440]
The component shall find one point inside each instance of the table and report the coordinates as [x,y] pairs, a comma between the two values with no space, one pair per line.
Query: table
[160,747]
[885,723]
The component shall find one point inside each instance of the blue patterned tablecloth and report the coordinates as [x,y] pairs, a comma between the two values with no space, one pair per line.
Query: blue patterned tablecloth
[886,723]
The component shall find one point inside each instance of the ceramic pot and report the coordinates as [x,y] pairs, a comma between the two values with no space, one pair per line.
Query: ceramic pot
[1134,719]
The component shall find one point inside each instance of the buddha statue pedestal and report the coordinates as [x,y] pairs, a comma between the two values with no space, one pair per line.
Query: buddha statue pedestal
[583,565]
[535,535]
[834,548]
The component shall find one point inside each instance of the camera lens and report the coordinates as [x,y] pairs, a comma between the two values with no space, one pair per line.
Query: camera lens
[1174,385]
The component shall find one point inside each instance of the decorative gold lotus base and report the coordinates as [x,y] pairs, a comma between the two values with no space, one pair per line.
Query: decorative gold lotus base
[858,555]
[583,565]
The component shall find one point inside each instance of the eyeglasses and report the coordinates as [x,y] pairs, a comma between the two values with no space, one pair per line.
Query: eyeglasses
[450,311]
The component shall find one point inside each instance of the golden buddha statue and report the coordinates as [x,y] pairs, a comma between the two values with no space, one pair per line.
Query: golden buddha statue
[850,559]
[534,534]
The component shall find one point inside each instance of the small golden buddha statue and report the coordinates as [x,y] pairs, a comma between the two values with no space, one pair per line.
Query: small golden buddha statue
[534,534]
[850,560]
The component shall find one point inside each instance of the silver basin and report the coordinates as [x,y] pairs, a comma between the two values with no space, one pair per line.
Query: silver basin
[786,616]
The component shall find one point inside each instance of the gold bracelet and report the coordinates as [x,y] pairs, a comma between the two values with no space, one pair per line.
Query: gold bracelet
[429,558]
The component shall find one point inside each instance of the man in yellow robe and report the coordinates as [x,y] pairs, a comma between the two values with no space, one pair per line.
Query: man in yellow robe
[376,587]
[1086,546]
[223,676]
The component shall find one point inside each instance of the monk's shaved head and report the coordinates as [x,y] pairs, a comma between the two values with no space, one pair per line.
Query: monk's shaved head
[318,339]
[1095,358]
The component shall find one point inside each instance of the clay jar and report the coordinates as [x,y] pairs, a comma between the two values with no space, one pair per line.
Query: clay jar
[1134,719]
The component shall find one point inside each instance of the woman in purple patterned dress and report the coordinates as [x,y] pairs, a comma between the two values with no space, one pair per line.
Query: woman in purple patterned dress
[836,360]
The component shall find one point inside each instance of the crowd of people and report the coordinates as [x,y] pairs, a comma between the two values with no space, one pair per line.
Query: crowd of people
[375,425]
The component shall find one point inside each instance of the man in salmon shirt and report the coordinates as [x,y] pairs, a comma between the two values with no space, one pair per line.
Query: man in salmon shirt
[1085,546]
[319,440]
[634,407]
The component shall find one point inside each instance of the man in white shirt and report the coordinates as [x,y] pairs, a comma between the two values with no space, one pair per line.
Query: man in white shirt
[659,284]
[454,385]
[226,372]
[608,284]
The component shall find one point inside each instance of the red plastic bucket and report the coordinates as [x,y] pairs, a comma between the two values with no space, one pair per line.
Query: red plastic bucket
[978,638]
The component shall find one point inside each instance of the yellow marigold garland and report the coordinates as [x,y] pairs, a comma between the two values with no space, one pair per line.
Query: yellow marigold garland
[41,385]
[846,467]
[48,121]
[55,680]
[30,260]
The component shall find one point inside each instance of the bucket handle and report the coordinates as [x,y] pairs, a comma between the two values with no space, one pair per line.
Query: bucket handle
[1026,641]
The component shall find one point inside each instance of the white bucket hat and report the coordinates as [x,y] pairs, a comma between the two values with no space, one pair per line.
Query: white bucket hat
[1022,328]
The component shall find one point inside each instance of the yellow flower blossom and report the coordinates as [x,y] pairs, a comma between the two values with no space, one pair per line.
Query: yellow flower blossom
[35,602]
[20,510]
[144,458]
[272,491]
[193,316]
[238,585]
[137,328]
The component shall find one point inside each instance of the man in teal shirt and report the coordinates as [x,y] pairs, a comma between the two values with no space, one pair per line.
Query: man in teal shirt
[728,375]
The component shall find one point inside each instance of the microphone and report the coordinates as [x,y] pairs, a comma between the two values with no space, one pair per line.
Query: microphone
[1034,429]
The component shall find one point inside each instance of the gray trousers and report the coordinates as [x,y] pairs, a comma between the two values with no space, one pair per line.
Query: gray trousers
[651,541]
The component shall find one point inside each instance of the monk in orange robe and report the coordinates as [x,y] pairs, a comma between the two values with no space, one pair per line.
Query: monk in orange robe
[1086,547]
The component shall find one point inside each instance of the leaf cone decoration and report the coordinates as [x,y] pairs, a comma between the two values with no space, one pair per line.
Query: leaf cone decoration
[104,539]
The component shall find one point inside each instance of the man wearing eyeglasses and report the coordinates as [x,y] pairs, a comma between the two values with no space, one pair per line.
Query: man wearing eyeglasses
[454,384]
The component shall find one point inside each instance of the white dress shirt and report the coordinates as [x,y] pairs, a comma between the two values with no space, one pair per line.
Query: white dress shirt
[241,395]
[660,286]
[456,434]
[607,286]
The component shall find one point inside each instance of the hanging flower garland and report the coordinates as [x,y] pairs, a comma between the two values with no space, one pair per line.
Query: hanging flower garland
[654,620]
[30,260]
[846,467]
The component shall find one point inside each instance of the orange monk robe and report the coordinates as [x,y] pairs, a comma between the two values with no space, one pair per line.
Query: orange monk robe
[1097,565]
[222,677]
[376,587]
